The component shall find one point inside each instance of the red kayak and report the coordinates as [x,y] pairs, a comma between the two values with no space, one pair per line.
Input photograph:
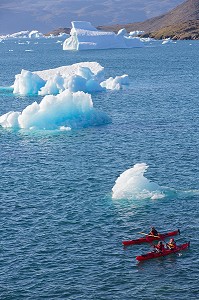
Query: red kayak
[150,238]
[165,252]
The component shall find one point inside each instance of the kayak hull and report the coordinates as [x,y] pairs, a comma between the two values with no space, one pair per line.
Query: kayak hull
[149,239]
[151,255]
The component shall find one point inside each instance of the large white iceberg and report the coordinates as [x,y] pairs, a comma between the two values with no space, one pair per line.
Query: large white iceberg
[84,36]
[64,111]
[86,76]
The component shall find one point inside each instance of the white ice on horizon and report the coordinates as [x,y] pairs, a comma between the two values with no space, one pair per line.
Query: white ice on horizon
[34,34]
[165,41]
[65,111]
[84,36]
[85,76]
[136,33]
[132,184]
[24,34]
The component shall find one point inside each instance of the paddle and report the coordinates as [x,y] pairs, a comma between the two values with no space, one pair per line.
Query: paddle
[156,236]
[150,234]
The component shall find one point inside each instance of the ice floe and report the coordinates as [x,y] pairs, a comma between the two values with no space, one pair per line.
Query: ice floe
[86,76]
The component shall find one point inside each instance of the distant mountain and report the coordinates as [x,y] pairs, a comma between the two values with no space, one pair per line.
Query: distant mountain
[58,31]
[181,22]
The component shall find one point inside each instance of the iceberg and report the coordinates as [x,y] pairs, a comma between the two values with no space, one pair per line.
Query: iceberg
[86,76]
[25,34]
[65,111]
[34,34]
[84,36]
[132,184]
[136,33]
[115,83]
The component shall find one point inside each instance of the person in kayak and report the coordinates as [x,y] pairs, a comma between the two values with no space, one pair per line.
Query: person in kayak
[153,232]
[171,244]
[159,247]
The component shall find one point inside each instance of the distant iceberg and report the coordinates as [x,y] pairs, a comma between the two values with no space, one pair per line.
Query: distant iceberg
[34,34]
[86,76]
[136,33]
[86,37]
[25,34]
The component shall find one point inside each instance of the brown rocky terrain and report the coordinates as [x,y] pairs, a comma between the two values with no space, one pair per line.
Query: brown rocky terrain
[58,31]
[181,22]
[182,31]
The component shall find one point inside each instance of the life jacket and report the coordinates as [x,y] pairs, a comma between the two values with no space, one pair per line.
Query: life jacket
[160,247]
[172,245]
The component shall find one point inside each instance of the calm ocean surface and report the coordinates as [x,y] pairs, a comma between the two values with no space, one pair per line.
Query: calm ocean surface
[61,232]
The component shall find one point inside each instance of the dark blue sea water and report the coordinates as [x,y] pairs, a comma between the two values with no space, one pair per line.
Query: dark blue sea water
[61,231]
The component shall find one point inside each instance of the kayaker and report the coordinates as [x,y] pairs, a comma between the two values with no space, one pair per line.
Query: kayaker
[153,232]
[159,247]
[171,244]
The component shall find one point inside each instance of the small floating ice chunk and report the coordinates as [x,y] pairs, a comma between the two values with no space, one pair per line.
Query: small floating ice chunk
[132,184]
[63,128]
[115,83]
[166,41]
[136,33]
[10,119]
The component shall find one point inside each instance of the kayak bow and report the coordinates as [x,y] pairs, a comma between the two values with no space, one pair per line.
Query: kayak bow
[165,252]
[150,238]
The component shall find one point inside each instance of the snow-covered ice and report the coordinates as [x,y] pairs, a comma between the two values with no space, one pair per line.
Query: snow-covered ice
[86,76]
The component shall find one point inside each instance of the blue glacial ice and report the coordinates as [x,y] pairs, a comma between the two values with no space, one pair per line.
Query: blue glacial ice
[66,110]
